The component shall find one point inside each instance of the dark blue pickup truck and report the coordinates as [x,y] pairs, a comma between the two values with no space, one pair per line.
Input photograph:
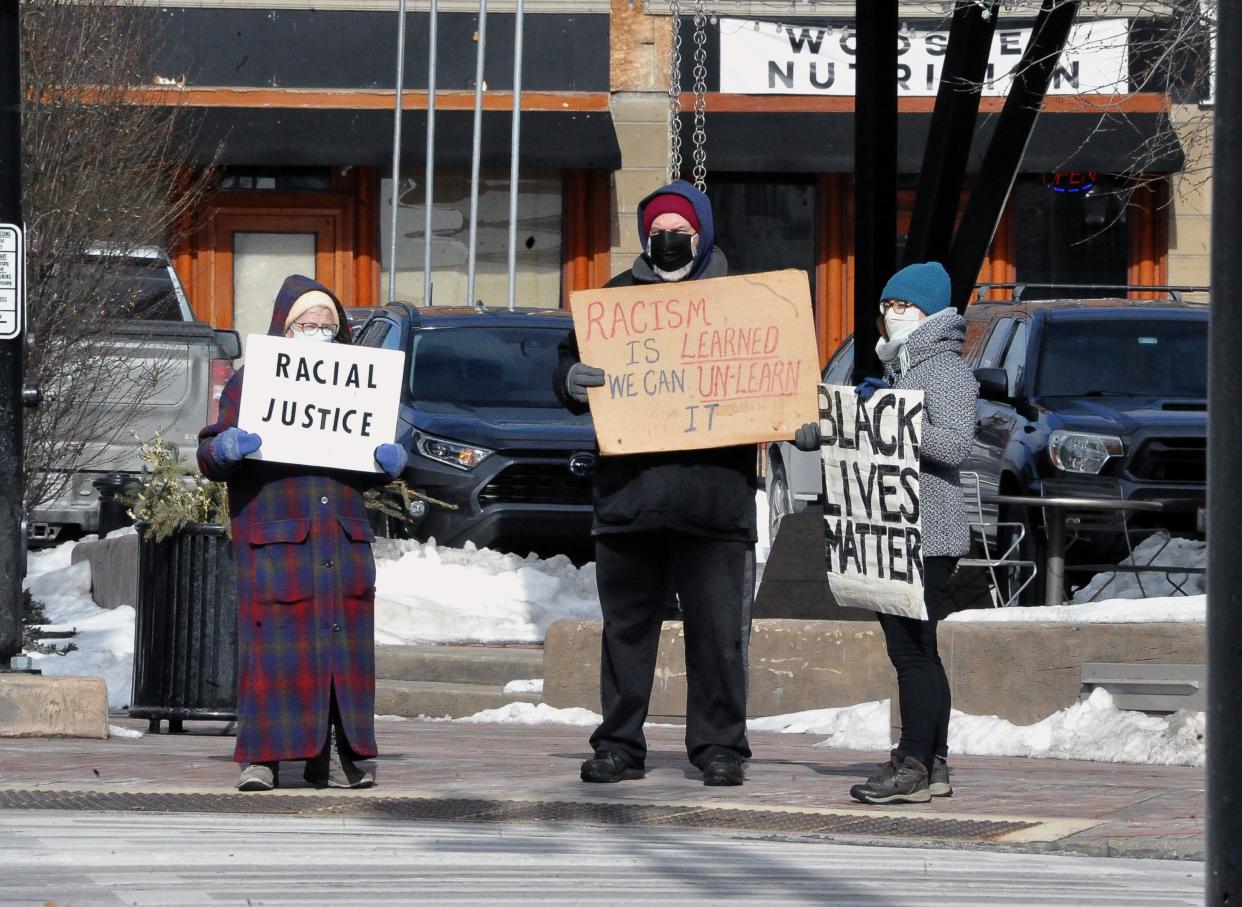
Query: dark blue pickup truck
[485,431]
[1085,397]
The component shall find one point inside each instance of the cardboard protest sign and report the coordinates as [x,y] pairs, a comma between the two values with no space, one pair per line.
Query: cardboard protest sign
[320,404]
[702,363]
[872,526]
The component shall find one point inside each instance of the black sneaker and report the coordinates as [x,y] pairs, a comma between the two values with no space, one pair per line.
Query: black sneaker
[723,770]
[333,767]
[938,784]
[608,767]
[901,780]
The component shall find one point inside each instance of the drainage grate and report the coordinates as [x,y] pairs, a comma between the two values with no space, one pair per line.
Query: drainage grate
[569,812]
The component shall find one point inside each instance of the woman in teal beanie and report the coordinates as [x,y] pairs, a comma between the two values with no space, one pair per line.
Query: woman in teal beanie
[921,349]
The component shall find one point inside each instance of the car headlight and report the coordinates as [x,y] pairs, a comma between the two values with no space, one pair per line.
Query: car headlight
[463,456]
[1078,452]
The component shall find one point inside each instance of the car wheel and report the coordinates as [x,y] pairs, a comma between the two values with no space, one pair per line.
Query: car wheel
[780,502]
[1031,548]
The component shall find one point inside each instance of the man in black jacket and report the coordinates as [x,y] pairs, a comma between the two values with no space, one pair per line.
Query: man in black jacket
[682,520]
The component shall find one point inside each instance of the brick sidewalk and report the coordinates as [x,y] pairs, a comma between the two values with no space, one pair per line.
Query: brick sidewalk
[1130,810]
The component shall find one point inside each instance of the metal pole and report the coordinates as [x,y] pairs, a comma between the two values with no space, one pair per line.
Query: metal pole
[514,144]
[396,153]
[11,351]
[429,179]
[875,173]
[1224,586]
[475,154]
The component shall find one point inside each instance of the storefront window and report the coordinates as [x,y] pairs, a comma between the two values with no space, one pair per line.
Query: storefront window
[765,224]
[1070,229]
[538,238]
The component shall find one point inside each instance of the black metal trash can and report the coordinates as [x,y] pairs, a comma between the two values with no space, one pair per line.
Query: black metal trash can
[185,646]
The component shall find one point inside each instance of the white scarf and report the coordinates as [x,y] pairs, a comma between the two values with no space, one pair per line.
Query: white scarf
[894,348]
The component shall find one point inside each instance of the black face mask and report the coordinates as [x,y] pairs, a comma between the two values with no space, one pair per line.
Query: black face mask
[670,251]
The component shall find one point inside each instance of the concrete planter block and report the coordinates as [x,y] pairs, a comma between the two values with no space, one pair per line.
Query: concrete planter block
[35,706]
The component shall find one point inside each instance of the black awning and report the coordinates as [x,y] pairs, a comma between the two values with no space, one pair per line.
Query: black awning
[824,142]
[287,137]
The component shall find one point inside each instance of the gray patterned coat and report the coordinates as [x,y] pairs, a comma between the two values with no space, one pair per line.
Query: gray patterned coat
[935,366]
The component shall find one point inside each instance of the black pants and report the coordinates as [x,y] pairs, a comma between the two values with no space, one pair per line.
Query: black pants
[922,684]
[714,581]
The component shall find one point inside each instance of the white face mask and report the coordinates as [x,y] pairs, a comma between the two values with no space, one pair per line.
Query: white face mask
[898,323]
[317,337]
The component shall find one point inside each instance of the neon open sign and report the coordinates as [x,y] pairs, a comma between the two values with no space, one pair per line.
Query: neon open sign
[1070,181]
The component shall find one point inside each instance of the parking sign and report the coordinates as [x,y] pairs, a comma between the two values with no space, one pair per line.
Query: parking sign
[12,281]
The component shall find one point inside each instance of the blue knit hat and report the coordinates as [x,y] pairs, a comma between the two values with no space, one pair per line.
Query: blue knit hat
[927,285]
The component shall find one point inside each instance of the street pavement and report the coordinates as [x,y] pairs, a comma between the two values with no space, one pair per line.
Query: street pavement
[790,835]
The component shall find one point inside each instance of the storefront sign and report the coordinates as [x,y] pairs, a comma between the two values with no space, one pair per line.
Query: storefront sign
[871,499]
[778,58]
[703,363]
[1070,182]
[320,404]
[12,281]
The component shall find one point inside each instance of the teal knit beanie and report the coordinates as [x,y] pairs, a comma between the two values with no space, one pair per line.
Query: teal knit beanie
[926,285]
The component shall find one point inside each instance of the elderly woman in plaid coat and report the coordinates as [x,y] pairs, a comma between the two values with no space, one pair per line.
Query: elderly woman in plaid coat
[305,584]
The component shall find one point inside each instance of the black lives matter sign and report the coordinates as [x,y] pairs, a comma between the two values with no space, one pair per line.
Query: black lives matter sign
[873,537]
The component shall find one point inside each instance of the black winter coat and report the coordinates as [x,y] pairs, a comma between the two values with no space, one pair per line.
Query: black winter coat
[708,493]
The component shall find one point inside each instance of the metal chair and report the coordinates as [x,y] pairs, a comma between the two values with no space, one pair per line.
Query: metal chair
[1010,557]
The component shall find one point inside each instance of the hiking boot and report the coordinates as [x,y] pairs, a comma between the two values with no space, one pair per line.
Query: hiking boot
[723,770]
[259,776]
[608,767]
[901,780]
[332,768]
[938,781]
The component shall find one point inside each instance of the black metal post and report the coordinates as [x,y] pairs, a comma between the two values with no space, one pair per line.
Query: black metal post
[11,559]
[1008,144]
[1224,585]
[948,139]
[875,172]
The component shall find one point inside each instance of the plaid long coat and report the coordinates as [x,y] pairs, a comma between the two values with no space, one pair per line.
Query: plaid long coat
[305,590]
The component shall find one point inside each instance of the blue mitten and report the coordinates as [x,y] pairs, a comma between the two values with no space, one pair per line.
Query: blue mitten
[232,445]
[392,459]
[869,386]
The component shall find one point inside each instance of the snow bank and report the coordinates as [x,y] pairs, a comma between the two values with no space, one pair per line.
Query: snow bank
[1094,730]
[104,640]
[1177,552]
[1180,609]
[428,594]
[531,714]
[524,686]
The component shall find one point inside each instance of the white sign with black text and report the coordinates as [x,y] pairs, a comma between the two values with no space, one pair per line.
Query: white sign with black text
[12,281]
[320,404]
[872,524]
[778,58]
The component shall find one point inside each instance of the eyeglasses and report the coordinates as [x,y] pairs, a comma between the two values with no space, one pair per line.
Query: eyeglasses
[314,330]
[896,305]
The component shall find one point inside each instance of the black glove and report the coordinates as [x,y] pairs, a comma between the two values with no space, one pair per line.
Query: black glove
[580,377]
[808,437]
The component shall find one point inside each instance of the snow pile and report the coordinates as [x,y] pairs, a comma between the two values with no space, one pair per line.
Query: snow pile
[1176,552]
[531,714]
[763,546]
[431,594]
[1094,730]
[1180,609]
[524,686]
[859,727]
[104,640]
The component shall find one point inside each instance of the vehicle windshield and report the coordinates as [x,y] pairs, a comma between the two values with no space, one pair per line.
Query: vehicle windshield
[126,288]
[486,366]
[1163,357]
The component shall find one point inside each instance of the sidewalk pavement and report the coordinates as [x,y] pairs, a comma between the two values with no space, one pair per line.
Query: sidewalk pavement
[444,770]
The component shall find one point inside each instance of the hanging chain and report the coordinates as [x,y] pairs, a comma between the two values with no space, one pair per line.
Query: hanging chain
[699,137]
[674,96]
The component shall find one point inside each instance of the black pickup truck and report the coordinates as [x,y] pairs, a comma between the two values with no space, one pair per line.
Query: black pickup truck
[1083,397]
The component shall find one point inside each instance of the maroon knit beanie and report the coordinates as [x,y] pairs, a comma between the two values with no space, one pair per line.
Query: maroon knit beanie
[668,203]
